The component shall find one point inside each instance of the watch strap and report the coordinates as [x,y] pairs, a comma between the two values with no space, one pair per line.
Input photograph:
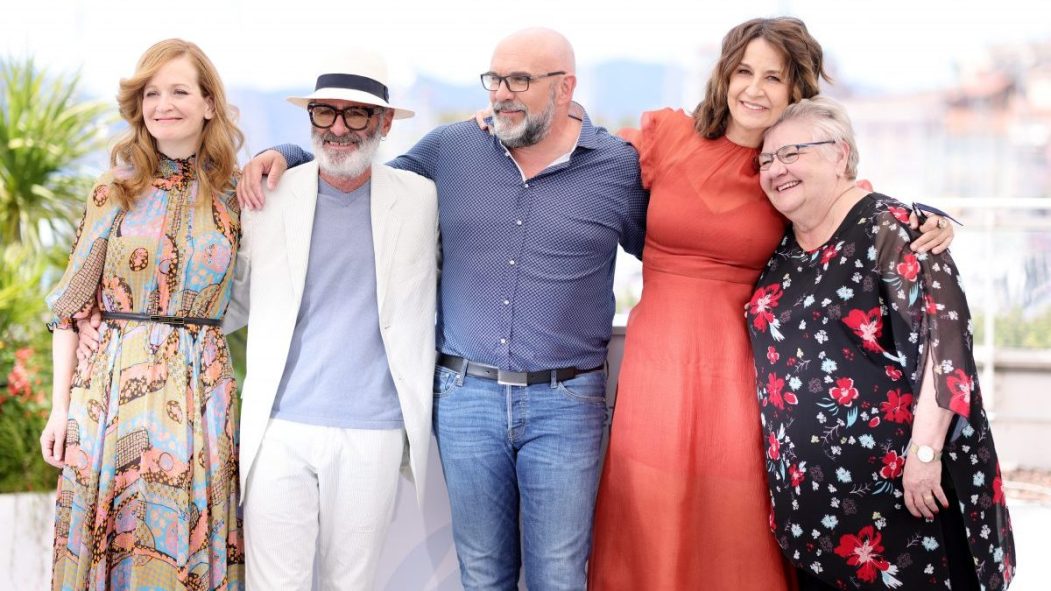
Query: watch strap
[914,448]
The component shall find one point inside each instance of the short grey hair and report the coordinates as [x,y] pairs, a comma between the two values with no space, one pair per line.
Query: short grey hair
[829,120]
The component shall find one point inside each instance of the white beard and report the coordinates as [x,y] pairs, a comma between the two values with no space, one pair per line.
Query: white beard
[345,166]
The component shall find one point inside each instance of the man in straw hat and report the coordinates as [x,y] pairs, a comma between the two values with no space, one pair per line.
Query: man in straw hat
[530,221]
[340,274]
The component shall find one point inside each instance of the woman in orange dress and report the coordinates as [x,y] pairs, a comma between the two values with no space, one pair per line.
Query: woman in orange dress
[683,500]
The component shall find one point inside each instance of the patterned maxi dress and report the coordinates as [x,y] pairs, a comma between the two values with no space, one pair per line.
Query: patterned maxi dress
[840,335]
[148,497]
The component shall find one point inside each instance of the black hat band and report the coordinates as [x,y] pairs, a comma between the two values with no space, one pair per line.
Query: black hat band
[353,82]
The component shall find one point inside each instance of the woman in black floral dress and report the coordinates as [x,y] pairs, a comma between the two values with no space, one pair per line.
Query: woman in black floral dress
[880,460]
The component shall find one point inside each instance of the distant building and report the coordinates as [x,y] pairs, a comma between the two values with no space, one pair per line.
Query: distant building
[989,136]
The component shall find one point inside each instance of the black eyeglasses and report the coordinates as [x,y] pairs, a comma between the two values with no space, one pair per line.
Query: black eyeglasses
[786,154]
[515,82]
[355,118]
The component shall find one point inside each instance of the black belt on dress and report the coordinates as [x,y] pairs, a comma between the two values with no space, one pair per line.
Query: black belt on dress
[172,320]
[510,378]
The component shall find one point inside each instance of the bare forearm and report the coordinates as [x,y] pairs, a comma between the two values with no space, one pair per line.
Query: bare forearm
[64,360]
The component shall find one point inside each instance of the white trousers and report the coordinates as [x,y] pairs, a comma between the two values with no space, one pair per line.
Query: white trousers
[322,488]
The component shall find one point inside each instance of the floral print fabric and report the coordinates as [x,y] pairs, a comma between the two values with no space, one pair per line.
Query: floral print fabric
[148,496]
[840,336]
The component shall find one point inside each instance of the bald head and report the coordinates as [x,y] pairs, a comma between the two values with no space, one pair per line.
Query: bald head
[536,49]
[530,104]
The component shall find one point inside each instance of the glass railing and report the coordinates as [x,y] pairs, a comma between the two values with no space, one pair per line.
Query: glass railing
[1003,252]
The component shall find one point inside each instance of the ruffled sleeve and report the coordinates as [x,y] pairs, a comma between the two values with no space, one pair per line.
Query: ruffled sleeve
[649,143]
[76,290]
[928,312]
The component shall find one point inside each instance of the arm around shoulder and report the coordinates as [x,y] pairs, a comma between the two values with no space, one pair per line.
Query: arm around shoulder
[424,156]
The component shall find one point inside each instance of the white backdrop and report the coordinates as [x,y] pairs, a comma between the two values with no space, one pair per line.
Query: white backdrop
[419,552]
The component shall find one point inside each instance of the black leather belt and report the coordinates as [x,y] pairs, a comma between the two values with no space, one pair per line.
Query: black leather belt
[172,320]
[510,378]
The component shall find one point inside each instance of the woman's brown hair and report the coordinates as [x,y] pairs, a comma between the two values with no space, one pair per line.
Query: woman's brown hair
[803,65]
[216,160]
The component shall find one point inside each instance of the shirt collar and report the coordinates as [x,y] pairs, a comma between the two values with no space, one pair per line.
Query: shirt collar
[588,133]
[588,138]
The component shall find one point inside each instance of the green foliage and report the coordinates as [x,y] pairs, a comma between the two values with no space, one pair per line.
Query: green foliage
[23,414]
[45,132]
[21,303]
[25,380]
[1017,329]
[237,341]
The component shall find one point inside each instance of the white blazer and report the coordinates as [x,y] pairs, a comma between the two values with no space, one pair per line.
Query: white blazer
[268,286]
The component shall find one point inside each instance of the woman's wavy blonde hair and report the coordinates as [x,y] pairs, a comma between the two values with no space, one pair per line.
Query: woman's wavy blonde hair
[220,140]
[803,65]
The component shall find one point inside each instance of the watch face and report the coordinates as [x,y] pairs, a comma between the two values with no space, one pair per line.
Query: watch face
[925,453]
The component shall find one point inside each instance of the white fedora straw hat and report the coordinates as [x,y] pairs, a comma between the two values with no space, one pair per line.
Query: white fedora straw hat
[364,80]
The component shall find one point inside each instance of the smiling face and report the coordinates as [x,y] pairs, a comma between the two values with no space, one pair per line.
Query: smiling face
[806,187]
[757,94]
[345,153]
[526,117]
[516,122]
[175,109]
[523,118]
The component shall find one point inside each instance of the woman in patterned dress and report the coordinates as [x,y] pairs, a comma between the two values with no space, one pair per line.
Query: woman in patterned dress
[879,457]
[145,428]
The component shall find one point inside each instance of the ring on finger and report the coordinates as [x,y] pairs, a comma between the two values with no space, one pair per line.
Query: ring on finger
[942,223]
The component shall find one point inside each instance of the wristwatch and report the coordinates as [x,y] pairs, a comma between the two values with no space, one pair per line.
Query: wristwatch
[925,453]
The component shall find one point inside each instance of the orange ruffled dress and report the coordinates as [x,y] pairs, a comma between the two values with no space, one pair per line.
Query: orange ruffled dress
[683,501]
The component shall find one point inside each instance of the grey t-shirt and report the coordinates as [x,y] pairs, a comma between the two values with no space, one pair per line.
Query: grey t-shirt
[336,374]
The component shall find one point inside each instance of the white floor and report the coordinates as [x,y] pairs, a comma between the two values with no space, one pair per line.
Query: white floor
[426,562]
[1033,545]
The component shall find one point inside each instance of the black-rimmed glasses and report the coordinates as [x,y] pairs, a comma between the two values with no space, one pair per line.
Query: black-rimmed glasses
[786,154]
[515,82]
[355,118]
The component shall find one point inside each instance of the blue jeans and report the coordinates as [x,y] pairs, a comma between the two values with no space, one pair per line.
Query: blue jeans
[524,456]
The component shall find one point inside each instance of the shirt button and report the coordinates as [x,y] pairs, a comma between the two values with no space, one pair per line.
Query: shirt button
[511,262]
[518,222]
[527,185]
[507,302]
[503,341]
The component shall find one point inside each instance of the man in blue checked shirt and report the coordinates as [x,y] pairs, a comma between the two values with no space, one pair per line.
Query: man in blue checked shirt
[530,221]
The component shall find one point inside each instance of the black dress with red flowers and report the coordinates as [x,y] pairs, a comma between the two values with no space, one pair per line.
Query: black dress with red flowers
[840,335]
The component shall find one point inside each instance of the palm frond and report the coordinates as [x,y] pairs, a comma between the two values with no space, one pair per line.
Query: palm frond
[45,133]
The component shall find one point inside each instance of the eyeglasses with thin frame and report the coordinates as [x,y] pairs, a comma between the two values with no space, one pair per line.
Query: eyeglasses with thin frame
[515,82]
[786,154]
[355,118]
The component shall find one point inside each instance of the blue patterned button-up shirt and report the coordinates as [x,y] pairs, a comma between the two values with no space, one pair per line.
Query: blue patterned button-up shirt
[527,267]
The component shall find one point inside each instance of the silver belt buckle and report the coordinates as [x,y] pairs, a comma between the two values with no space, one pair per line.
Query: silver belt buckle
[512,378]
